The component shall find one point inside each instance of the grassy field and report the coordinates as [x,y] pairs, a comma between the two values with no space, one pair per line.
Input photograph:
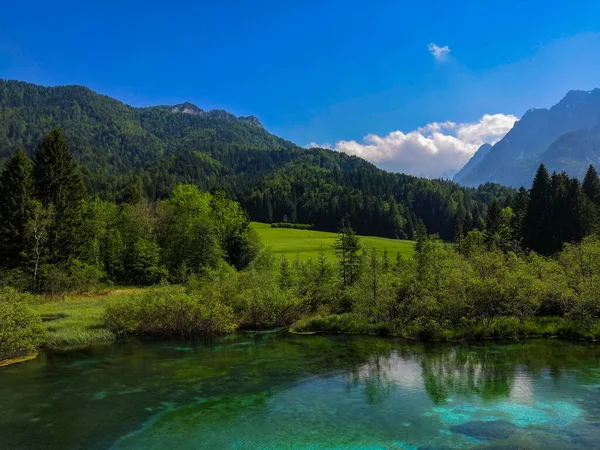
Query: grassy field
[307,243]
[76,320]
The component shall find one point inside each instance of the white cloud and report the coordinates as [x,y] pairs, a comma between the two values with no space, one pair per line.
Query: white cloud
[436,150]
[438,53]
[326,145]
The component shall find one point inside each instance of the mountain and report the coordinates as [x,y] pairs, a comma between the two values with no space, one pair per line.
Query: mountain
[473,162]
[564,137]
[155,148]
[189,108]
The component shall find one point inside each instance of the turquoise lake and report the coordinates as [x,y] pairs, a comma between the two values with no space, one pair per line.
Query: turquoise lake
[280,391]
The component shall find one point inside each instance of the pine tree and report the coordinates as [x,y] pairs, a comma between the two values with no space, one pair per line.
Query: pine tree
[517,225]
[347,248]
[58,183]
[322,266]
[493,222]
[398,260]
[579,213]
[538,230]
[591,202]
[131,194]
[591,185]
[468,225]
[16,196]
[374,276]
[420,235]
[560,210]
[458,236]
[478,223]
[385,261]
[284,273]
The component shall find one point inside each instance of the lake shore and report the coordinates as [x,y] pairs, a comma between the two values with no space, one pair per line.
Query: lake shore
[20,359]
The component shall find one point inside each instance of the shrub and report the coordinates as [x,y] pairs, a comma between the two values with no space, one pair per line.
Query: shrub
[74,276]
[85,277]
[21,330]
[297,226]
[262,303]
[333,323]
[169,311]
[18,279]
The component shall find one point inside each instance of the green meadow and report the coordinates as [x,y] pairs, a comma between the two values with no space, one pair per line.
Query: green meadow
[78,320]
[306,244]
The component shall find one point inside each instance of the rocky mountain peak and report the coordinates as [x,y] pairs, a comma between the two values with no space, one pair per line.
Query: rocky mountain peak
[187,108]
[251,120]
[563,137]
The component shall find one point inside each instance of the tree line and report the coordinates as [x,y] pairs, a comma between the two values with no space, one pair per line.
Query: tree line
[54,237]
[155,150]
[556,210]
[496,280]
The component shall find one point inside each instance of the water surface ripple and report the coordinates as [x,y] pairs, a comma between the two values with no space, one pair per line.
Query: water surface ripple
[280,391]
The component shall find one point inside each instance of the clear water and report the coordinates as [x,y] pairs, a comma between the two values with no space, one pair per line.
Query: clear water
[278,391]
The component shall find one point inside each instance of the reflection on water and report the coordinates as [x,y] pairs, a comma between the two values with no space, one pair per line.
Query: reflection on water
[278,390]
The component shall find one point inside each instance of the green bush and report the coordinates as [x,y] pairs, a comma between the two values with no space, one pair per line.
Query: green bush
[169,311]
[297,226]
[85,277]
[74,276]
[262,303]
[18,279]
[21,330]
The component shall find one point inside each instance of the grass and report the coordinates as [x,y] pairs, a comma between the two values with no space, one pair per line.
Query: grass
[77,320]
[501,328]
[334,323]
[306,244]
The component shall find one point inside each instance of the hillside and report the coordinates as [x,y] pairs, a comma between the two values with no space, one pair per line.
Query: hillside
[155,148]
[307,244]
[565,137]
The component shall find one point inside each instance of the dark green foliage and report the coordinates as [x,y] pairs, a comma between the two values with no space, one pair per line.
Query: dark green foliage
[591,188]
[16,196]
[284,273]
[127,154]
[296,226]
[556,211]
[58,183]
[172,222]
[420,235]
[519,207]
[167,312]
[538,219]
[130,194]
[21,330]
[493,223]
[60,240]
[483,292]
[238,240]
[347,247]
[591,185]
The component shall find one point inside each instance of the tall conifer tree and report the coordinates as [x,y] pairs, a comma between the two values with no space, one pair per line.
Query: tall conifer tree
[16,195]
[591,185]
[538,233]
[347,247]
[59,183]
[493,222]
[517,224]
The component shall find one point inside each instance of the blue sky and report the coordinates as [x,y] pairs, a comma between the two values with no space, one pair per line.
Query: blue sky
[315,71]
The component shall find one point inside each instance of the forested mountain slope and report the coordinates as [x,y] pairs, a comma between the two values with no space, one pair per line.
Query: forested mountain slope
[156,148]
